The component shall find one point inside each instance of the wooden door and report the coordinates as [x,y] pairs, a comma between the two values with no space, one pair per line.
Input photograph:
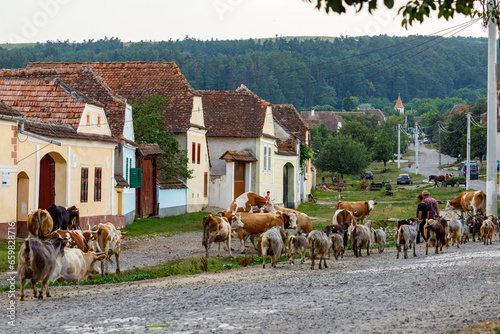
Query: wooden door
[47,191]
[239,179]
[147,190]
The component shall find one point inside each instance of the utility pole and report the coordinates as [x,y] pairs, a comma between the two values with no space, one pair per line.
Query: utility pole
[467,165]
[399,145]
[439,141]
[491,163]
[416,148]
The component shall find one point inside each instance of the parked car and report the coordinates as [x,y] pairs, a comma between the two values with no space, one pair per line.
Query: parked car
[367,175]
[474,170]
[404,179]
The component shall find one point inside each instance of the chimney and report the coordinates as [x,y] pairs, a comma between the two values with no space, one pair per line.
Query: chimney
[312,112]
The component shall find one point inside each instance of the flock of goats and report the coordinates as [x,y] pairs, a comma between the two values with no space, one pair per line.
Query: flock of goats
[58,250]
[251,215]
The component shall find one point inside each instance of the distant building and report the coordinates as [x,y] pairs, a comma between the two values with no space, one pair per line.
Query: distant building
[399,105]
[458,109]
[329,119]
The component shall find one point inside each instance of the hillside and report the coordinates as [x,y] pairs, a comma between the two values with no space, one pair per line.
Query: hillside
[299,70]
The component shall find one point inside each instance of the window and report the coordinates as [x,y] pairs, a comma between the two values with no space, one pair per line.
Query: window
[205,188]
[198,156]
[97,184]
[269,158]
[265,157]
[84,190]
[193,152]
[88,119]
[98,120]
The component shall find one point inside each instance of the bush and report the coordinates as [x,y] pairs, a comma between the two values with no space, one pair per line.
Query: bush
[456,180]
[363,184]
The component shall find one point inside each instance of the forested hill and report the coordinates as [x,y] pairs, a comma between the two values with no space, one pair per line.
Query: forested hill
[304,72]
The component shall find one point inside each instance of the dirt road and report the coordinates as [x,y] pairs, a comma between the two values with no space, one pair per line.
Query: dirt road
[375,294]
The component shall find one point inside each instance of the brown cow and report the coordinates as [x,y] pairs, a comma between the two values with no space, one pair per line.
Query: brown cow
[216,229]
[303,221]
[251,202]
[106,238]
[37,261]
[469,201]
[255,224]
[360,210]
[40,224]
[76,239]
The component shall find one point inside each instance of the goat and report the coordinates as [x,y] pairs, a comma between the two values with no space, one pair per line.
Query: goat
[379,237]
[297,245]
[337,241]
[407,236]
[361,236]
[272,243]
[487,230]
[319,244]
[435,233]
[455,231]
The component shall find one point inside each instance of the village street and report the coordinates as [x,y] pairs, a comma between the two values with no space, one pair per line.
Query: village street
[372,294]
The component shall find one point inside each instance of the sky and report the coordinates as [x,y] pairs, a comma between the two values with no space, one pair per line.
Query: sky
[29,21]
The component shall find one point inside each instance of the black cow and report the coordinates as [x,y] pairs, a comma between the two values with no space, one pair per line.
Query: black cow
[63,218]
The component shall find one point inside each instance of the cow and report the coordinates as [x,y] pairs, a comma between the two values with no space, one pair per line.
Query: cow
[342,216]
[435,234]
[407,237]
[37,261]
[272,243]
[106,238]
[487,230]
[473,202]
[297,244]
[216,229]
[303,221]
[76,265]
[361,236]
[360,210]
[254,224]
[455,232]
[251,202]
[318,244]
[75,239]
[64,219]
[379,237]
[40,223]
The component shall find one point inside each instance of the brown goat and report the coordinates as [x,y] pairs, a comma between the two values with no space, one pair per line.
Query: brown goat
[40,223]
[435,234]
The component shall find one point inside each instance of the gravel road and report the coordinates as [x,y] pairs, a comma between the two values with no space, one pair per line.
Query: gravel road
[375,294]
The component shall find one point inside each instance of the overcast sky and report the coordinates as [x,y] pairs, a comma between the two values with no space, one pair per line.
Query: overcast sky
[134,20]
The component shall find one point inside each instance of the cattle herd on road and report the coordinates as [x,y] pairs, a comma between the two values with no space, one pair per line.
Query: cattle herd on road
[58,250]
[251,215]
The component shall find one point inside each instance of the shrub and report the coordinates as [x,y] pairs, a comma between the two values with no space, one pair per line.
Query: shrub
[363,184]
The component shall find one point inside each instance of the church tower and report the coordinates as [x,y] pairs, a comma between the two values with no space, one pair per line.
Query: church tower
[399,105]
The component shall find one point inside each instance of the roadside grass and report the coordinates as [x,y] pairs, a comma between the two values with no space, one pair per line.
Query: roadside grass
[4,254]
[166,226]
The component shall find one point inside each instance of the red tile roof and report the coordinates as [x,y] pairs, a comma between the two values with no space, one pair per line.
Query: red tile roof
[290,119]
[458,109]
[330,119]
[53,130]
[8,111]
[241,156]
[234,113]
[149,149]
[136,80]
[399,103]
[45,100]
[171,184]
[85,81]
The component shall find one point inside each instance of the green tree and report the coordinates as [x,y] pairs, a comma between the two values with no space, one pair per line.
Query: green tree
[149,128]
[359,132]
[348,104]
[455,128]
[342,154]
[429,123]
[319,136]
[478,146]
[411,11]
[382,149]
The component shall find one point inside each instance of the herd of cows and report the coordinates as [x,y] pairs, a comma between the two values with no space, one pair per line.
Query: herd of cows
[252,216]
[58,250]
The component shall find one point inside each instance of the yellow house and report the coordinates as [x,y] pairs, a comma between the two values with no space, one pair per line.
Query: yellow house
[59,150]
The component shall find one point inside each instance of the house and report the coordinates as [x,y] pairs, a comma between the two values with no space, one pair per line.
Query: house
[119,120]
[51,155]
[245,154]
[332,121]
[458,109]
[183,112]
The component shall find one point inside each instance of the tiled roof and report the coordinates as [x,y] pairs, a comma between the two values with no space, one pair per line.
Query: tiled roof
[399,103]
[458,109]
[362,112]
[149,149]
[290,119]
[8,111]
[84,80]
[171,184]
[329,119]
[233,113]
[136,80]
[61,131]
[120,181]
[45,100]
[241,156]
